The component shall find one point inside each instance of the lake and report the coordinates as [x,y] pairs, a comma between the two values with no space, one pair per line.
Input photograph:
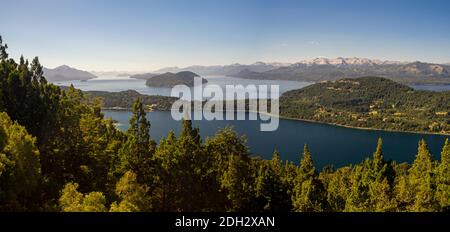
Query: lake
[116,84]
[329,144]
[431,87]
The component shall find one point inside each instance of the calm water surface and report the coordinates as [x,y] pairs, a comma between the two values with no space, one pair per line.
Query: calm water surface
[329,144]
[114,84]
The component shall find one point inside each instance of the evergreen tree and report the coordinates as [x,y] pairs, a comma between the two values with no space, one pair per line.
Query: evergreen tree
[338,188]
[137,151]
[139,125]
[309,193]
[73,201]
[234,183]
[271,192]
[20,170]
[133,196]
[3,47]
[421,180]
[306,169]
[225,173]
[443,178]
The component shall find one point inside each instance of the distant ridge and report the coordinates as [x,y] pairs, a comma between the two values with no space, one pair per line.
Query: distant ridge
[224,70]
[66,73]
[322,68]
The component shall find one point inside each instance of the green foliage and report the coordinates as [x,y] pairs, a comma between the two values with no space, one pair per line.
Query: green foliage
[369,102]
[133,196]
[421,180]
[125,100]
[73,201]
[20,170]
[271,190]
[309,192]
[443,178]
[3,54]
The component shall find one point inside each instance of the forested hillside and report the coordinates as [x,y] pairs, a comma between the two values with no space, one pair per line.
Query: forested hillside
[58,153]
[125,100]
[370,102]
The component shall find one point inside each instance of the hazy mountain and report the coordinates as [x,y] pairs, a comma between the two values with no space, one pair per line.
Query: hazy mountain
[224,69]
[144,76]
[64,73]
[321,69]
[341,61]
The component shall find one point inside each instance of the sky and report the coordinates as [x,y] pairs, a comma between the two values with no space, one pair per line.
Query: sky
[107,35]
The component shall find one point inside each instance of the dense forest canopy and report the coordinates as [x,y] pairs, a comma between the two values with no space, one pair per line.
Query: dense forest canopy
[370,102]
[58,153]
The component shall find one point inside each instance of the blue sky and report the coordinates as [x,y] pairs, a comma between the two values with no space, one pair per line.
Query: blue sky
[146,35]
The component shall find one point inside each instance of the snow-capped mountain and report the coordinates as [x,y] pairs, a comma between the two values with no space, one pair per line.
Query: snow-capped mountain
[341,61]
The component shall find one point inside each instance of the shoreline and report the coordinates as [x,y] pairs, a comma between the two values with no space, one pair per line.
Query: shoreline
[307,120]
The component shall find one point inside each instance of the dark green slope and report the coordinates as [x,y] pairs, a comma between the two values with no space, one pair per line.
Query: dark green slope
[369,102]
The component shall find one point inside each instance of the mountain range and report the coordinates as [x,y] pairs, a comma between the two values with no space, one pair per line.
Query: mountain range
[65,73]
[322,68]
[224,70]
[318,69]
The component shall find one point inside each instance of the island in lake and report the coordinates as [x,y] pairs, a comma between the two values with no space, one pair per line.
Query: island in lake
[169,79]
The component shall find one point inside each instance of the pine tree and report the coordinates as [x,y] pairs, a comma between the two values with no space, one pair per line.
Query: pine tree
[359,198]
[234,183]
[270,190]
[73,201]
[139,125]
[133,196]
[421,180]
[3,54]
[307,169]
[309,192]
[137,151]
[20,169]
[338,189]
[378,157]
[219,149]
[443,178]
[378,176]
[37,72]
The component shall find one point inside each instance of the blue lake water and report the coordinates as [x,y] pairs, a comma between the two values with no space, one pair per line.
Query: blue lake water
[432,87]
[114,84]
[329,144]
